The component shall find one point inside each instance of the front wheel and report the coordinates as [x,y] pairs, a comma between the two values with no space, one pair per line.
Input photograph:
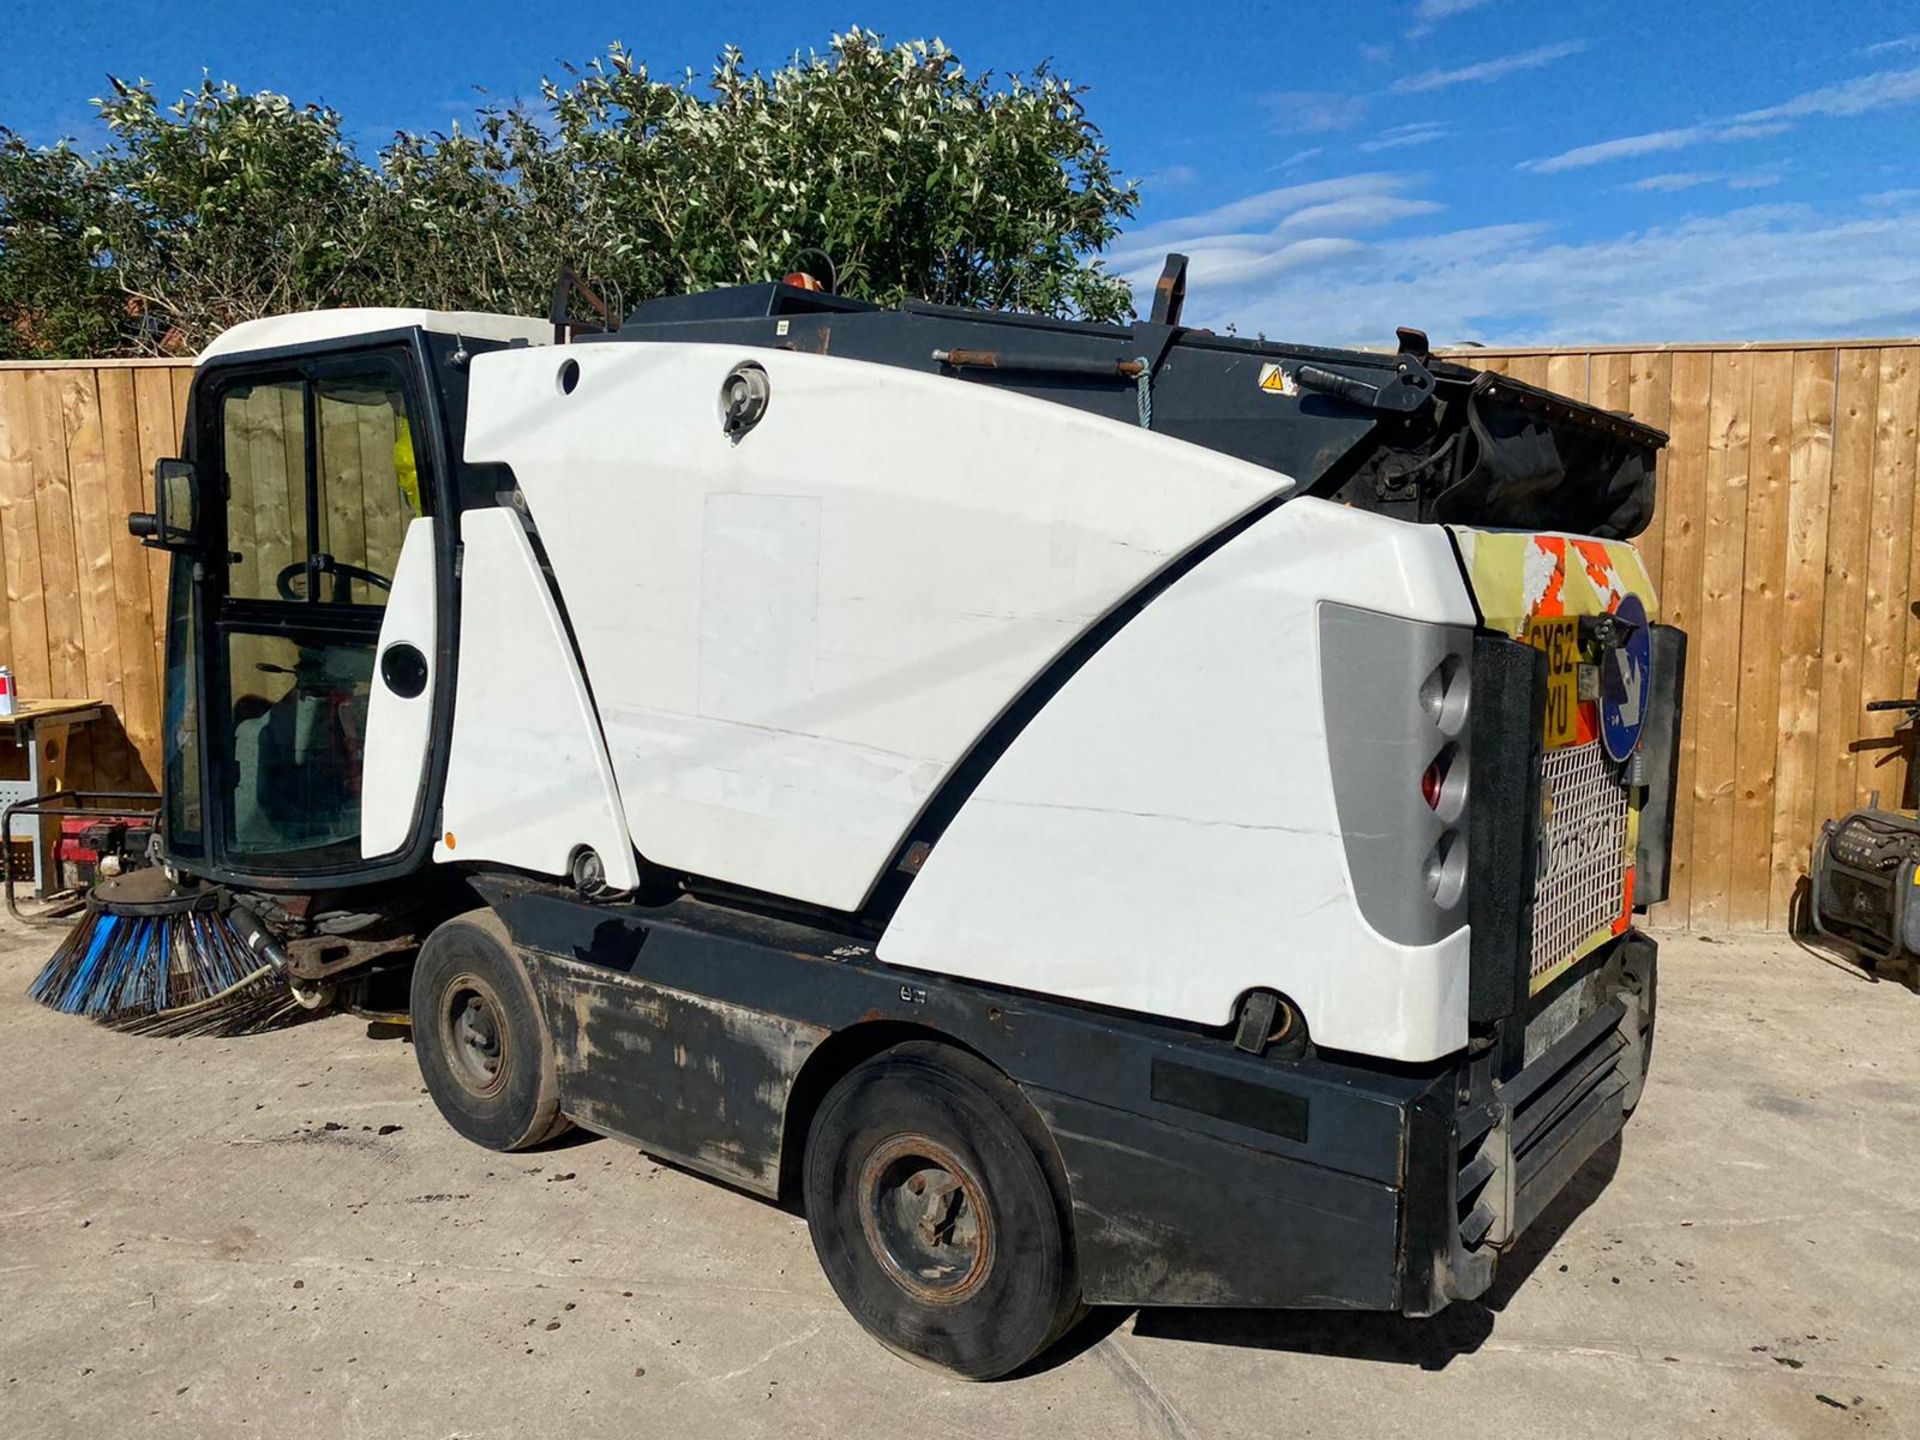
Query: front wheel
[483,1047]
[933,1215]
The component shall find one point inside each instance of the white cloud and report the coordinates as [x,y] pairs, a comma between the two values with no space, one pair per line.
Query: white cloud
[1680,180]
[1487,70]
[1240,219]
[1649,144]
[1887,47]
[1627,145]
[1445,9]
[1300,157]
[1851,97]
[1228,264]
[1749,131]
[1693,179]
[1429,13]
[1360,212]
[1275,232]
[1171,176]
[1423,132]
[1314,111]
[1759,272]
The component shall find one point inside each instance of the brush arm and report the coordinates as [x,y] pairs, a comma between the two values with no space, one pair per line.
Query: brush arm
[259,940]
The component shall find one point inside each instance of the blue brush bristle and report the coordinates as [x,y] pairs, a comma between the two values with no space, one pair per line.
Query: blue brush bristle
[125,970]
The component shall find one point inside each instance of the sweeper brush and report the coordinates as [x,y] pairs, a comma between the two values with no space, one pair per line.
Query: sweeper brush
[153,958]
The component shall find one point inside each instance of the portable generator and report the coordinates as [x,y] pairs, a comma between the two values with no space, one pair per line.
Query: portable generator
[1865,877]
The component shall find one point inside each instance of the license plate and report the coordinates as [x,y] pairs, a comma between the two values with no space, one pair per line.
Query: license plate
[1559,637]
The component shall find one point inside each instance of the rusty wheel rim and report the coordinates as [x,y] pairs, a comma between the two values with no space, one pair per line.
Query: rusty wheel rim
[925,1216]
[473,1036]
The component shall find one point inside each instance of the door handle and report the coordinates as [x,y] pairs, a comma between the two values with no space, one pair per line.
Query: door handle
[404,669]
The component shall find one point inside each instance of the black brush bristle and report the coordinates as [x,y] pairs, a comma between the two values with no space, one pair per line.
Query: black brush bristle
[152,959]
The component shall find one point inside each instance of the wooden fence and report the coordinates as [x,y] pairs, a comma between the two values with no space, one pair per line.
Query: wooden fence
[1785,543]
[86,612]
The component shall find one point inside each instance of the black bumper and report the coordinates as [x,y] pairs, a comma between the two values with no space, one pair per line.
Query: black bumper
[1172,1214]
[1515,1144]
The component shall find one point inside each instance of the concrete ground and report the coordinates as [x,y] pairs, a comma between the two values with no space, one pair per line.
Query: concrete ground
[278,1236]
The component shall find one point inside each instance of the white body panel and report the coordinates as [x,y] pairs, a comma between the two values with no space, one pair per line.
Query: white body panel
[528,781]
[792,639]
[399,728]
[1162,836]
[310,327]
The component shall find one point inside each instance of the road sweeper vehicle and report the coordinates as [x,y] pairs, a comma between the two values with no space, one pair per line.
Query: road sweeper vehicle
[1095,814]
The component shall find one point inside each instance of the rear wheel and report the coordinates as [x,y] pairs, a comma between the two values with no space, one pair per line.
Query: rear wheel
[483,1047]
[933,1214]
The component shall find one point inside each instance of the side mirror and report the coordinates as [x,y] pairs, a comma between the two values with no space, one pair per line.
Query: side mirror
[174,523]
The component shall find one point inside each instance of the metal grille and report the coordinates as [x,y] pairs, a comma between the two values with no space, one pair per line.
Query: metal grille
[1857,902]
[1579,885]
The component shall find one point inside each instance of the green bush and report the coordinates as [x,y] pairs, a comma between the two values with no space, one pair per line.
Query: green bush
[919,179]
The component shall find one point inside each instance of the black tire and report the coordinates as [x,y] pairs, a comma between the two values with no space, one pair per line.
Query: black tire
[971,1272]
[483,1047]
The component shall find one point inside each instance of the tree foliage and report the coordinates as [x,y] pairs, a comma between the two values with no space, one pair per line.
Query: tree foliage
[917,177]
[56,298]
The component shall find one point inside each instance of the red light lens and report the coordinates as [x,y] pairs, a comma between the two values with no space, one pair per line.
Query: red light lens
[1430,783]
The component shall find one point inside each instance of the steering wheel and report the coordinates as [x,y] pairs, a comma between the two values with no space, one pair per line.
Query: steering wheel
[343,575]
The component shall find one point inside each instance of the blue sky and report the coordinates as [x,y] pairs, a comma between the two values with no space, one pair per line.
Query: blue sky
[1501,170]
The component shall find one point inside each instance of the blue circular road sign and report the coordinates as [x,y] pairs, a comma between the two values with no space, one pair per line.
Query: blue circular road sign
[1623,680]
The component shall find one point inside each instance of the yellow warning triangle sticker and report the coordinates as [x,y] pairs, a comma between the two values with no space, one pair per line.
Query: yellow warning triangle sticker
[1276,380]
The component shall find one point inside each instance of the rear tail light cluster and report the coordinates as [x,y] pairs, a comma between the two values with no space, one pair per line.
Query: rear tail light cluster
[1443,784]
[1397,702]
